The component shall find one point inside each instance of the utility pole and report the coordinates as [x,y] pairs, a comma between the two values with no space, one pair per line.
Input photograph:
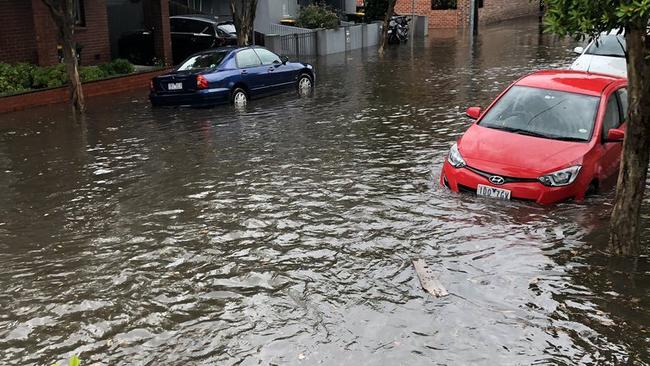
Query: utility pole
[473,16]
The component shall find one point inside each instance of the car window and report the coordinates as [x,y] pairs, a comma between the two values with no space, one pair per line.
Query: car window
[622,96]
[203,61]
[247,58]
[267,56]
[181,25]
[178,25]
[227,28]
[609,45]
[612,115]
[544,113]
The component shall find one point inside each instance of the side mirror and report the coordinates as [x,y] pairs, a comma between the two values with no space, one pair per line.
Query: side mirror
[579,50]
[615,135]
[473,112]
[284,59]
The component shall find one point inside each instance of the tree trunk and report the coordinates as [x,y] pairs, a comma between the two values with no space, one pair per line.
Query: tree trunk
[62,12]
[72,68]
[384,30]
[243,16]
[625,226]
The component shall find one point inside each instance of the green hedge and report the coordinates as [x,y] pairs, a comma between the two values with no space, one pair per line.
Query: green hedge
[317,16]
[20,78]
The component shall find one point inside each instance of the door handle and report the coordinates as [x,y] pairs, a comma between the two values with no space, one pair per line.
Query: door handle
[271,69]
[244,72]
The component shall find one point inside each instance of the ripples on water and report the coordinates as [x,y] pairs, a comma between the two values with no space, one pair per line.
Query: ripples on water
[284,234]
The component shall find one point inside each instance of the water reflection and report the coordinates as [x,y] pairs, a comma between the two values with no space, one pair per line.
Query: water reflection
[283,234]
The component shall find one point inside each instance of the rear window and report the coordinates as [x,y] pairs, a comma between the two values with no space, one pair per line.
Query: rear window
[228,28]
[609,45]
[203,61]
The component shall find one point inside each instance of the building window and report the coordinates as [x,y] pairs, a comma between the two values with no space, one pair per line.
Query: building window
[79,13]
[480,3]
[443,4]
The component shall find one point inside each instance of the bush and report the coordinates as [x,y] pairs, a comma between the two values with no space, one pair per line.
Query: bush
[15,78]
[90,73]
[317,16]
[49,77]
[19,78]
[117,67]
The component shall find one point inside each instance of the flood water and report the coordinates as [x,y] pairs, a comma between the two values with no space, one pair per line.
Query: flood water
[284,234]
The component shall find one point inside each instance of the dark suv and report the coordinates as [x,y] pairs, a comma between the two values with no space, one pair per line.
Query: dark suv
[189,33]
[194,33]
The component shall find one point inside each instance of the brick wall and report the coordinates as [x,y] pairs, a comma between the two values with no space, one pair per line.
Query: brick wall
[17,32]
[28,33]
[91,89]
[492,11]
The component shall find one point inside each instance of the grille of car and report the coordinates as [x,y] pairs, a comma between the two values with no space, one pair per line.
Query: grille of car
[487,175]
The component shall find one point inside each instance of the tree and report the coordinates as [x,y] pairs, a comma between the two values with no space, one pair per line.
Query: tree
[63,14]
[243,15]
[586,19]
[384,30]
[375,9]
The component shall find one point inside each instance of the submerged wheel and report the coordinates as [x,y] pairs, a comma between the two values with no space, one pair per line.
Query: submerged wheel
[592,189]
[239,97]
[305,85]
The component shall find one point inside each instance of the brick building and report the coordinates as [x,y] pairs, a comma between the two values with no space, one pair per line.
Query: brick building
[455,13]
[28,33]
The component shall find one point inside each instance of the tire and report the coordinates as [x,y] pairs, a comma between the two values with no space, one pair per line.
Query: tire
[305,85]
[239,97]
[591,190]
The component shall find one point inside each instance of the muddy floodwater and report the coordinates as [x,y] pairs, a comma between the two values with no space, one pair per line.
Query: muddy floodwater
[284,234]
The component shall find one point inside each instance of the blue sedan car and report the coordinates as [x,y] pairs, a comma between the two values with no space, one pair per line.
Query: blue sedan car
[230,74]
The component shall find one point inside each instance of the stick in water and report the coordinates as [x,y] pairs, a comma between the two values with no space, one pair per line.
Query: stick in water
[427,279]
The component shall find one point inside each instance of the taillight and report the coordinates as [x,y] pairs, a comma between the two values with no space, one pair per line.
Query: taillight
[201,82]
[151,86]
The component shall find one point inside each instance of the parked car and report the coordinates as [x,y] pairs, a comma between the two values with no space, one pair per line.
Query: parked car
[230,74]
[189,33]
[605,55]
[549,137]
[194,33]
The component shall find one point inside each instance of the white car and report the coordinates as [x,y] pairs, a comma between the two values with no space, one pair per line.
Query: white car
[604,55]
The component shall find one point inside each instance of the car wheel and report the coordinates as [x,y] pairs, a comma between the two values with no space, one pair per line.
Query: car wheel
[591,190]
[305,85]
[239,98]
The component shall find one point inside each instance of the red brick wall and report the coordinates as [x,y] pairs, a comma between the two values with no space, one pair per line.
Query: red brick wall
[17,32]
[492,11]
[93,37]
[28,34]
[91,89]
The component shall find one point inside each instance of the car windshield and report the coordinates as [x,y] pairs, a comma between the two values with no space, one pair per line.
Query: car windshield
[203,61]
[544,113]
[228,28]
[609,45]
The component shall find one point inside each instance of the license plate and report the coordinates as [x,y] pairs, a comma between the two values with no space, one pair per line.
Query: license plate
[492,192]
[174,86]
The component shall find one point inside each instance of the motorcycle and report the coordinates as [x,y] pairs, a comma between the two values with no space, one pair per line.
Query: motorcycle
[398,29]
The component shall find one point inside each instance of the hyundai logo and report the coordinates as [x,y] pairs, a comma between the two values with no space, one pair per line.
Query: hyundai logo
[495,179]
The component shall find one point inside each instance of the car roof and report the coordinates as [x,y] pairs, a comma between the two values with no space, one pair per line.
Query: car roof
[204,17]
[572,81]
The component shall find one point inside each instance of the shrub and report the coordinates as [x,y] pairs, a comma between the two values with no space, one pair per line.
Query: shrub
[19,78]
[317,16]
[90,73]
[49,77]
[15,78]
[117,67]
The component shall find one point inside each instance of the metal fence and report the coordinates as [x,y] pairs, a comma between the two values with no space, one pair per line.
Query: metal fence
[300,44]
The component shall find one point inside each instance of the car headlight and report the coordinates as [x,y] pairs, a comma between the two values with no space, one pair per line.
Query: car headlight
[562,177]
[454,158]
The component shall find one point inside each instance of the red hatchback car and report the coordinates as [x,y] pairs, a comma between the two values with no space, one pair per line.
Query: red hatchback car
[551,136]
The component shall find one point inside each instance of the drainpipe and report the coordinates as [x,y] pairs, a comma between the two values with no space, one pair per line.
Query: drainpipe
[473,16]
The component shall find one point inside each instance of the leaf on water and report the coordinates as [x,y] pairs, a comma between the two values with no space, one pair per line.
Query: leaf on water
[428,280]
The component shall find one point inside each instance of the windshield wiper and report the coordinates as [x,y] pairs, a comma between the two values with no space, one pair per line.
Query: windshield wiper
[521,131]
[567,138]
